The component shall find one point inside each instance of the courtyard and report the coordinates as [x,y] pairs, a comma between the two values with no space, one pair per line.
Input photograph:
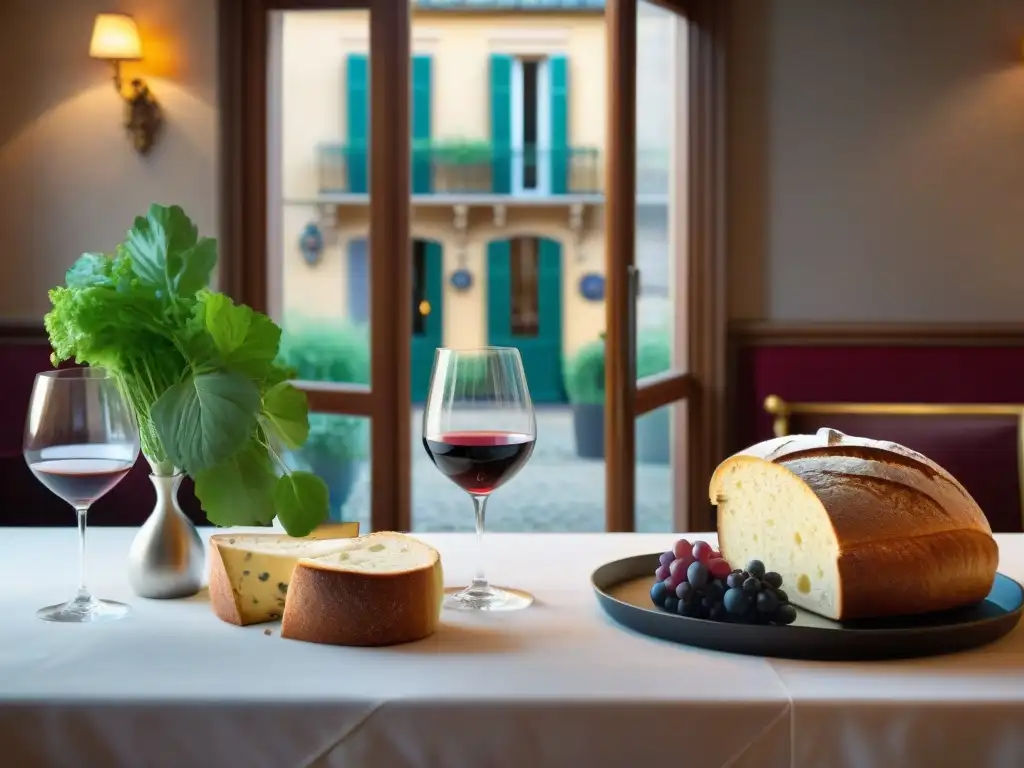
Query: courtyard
[556,491]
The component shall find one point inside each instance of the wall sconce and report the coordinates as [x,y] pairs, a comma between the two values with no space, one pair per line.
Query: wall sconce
[115,38]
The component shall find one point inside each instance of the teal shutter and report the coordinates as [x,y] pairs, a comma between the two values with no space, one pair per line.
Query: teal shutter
[501,124]
[421,76]
[558,70]
[499,293]
[545,376]
[357,84]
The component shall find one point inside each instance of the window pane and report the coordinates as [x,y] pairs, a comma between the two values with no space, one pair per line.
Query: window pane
[660,466]
[318,224]
[660,190]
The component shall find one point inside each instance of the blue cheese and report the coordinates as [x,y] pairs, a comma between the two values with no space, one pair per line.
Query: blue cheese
[250,572]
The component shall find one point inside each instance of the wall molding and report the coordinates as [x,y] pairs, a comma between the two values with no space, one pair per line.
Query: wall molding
[760,333]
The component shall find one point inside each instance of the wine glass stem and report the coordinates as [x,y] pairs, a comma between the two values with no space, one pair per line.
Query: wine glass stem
[83,591]
[480,509]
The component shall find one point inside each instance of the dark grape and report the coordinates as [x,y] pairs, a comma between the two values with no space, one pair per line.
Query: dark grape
[707,602]
[717,612]
[756,569]
[785,614]
[671,603]
[767,585]
[767,602]
[752,585]
[781,594]
[684,591]
[690,609]
[735,581]
[697,574]
[774,579]
[736,601]
[658,593]
[715,589]
[666,558]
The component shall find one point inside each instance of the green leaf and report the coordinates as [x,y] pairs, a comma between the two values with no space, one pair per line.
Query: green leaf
[286,414]
[302,502]
[205,419]
[167,253]
[240,490]
[226,322]
[90,269]
[256,354]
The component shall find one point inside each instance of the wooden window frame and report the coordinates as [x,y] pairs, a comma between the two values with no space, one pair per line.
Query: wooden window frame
[702,384]
[243,52]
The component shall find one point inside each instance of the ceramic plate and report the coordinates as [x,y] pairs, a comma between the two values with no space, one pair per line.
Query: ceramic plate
[623,590]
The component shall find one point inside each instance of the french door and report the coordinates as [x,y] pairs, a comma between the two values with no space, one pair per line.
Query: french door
[250,40]
[664,168]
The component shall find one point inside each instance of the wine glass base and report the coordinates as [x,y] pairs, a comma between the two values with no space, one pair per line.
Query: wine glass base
[489,599]
[79,611]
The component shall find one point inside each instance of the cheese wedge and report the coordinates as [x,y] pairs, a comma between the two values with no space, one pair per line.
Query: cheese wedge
[250,572]
[380,589]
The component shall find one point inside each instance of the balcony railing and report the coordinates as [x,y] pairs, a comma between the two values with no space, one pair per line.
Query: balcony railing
[471,169]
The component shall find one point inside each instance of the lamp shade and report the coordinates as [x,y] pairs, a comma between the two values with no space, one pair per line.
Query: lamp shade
[115,36]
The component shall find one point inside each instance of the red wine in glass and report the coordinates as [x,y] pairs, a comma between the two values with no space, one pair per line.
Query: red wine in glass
[479,429]
[480,462]
[80,482]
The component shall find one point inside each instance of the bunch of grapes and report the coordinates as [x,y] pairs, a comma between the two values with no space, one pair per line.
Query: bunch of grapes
[694,580]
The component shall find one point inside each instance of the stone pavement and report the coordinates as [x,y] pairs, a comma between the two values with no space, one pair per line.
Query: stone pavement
[555,491]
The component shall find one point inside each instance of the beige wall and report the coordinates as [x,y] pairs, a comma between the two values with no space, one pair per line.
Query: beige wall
[877,160]
[313,50]
[69,179]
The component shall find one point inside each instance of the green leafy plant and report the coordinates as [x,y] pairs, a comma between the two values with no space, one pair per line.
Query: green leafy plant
[584,373]
[200,371]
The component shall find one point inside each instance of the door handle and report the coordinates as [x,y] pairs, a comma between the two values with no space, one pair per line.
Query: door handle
[633,288]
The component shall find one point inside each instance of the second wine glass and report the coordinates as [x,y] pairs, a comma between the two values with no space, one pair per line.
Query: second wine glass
[81,438]
[479,429]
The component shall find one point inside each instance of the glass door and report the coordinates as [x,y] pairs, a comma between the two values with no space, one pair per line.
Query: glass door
[339,260]
[647,261]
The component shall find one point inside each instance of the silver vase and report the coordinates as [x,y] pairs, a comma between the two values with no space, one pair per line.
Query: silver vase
[166,559]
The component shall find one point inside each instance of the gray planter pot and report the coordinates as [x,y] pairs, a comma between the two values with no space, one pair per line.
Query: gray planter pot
[588,424]
[653,445]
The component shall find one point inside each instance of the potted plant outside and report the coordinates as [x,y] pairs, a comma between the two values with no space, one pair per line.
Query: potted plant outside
[584,382]
[461,165]
[336,449]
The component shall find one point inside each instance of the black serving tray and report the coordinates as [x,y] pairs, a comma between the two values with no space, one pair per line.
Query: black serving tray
[623,590]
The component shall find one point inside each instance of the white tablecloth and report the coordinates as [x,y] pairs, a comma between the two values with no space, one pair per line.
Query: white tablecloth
[556,685]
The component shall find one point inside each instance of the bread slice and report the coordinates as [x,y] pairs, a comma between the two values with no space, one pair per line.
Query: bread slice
[857,528]
[250,573]
[381,589]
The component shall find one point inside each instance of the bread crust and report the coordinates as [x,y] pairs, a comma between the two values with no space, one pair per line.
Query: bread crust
[911,538]
[359,608]
[222,596]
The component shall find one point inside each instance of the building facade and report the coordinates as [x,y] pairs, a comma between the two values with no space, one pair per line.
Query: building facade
[508,147]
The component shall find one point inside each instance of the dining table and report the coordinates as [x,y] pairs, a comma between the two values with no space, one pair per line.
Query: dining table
[558,684]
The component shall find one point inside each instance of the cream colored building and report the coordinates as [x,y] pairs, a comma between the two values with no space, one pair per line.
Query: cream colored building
[508,122]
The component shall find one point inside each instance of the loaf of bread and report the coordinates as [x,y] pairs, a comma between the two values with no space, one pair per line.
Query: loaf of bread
[857,528]
[250,572]
[381,589]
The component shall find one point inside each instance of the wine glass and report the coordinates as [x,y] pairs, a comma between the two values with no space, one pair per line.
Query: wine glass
[81,438]
[479,429]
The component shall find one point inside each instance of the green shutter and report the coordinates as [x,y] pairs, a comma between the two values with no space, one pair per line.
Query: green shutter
[558,69]
[358,103]
[501,124]
[421,175]
[499,293]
